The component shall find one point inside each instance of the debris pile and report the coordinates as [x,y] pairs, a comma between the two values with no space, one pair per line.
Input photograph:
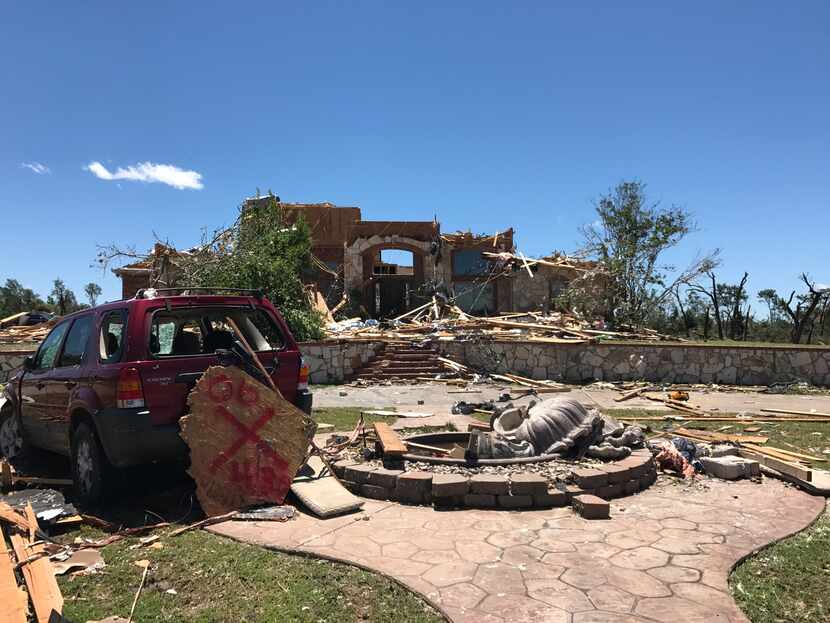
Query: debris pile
[15,334]
[22,547]
[442,320]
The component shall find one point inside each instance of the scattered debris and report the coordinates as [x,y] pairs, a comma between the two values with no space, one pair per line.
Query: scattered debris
[83,560]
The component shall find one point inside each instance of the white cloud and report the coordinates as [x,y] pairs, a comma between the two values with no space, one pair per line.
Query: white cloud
[37,167]
[150,173]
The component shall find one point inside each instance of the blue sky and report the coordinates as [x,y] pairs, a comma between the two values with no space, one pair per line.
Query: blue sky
[486,114]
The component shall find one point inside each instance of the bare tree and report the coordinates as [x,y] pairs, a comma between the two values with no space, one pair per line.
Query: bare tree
[805,307]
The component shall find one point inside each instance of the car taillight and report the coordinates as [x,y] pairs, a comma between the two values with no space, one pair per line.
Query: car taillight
[129,393]
[302,380]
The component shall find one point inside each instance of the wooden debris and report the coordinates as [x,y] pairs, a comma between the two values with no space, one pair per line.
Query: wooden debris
[423,446]
[633,393]
[40,578]
[246,441]
[714,437]
[786,467]
[389,440]
[791,412]
[145,564]
[13,599]
[10,515]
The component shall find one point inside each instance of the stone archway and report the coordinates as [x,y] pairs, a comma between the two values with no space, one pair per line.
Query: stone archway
[377,290]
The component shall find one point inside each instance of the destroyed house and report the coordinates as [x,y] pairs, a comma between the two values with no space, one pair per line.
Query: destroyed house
[387,268]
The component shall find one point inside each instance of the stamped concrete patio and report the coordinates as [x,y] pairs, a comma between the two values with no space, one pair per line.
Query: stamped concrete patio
[663,556]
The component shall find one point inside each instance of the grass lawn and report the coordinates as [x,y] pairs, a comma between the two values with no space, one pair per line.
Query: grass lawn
[788,581]
[345,418]
[216,579]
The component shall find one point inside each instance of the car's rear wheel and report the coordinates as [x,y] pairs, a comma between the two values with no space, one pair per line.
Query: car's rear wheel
[89,466]
[12,443]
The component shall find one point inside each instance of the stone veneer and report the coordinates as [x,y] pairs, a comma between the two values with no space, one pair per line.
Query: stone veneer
[606,480]
[335,361]
[666,362]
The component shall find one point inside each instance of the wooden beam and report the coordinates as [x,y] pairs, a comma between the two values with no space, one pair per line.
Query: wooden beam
[714,436]
[632,393]
[13,599]
[423,446]
[792,412]
[785,467]
[389,440]
[40,578]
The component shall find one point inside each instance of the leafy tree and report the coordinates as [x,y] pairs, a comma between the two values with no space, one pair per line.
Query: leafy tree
[14,298]
[260,250]
[92,291]
[629,238]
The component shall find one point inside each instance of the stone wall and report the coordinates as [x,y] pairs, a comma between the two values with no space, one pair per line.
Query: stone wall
[335,361]
[12,359]
[678,363]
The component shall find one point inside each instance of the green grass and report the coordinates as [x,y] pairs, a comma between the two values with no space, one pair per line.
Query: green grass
[811,438]
[788,581]
[217,579]
[345,418]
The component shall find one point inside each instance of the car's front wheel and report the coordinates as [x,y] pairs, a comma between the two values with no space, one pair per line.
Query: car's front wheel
[89,466]
[12,443]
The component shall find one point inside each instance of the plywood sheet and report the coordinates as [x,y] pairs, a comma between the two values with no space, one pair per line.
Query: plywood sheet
[246,441]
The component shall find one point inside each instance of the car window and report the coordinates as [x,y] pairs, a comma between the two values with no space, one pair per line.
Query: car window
[181,332]
[111,337]
[48,350]
[74,348]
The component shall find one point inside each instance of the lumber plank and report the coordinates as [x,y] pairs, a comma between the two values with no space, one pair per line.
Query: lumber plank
[714,418]
[423,446]
[709,435]
[389,439]
[13,600]
[40,578]
[246,441]
[785,467]
[793,412]
[631,394]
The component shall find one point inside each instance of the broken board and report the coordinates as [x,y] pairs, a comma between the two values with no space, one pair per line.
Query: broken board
[40,578]
[321,493]
[389,440]
[13,600]
[246,441]
[785,467]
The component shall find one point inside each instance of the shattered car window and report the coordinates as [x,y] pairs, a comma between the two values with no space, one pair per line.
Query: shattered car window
[203,331]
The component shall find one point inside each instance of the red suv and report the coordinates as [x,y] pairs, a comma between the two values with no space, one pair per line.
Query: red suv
[107,386]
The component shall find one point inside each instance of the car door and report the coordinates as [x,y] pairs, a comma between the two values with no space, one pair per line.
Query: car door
[33,396]
[66,379]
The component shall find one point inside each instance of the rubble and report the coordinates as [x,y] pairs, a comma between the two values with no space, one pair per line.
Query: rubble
[443,320]
[32,334]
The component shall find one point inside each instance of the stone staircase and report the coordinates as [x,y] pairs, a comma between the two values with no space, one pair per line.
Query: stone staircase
[401,361]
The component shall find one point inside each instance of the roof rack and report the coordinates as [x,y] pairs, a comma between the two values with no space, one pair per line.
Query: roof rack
[145,293]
